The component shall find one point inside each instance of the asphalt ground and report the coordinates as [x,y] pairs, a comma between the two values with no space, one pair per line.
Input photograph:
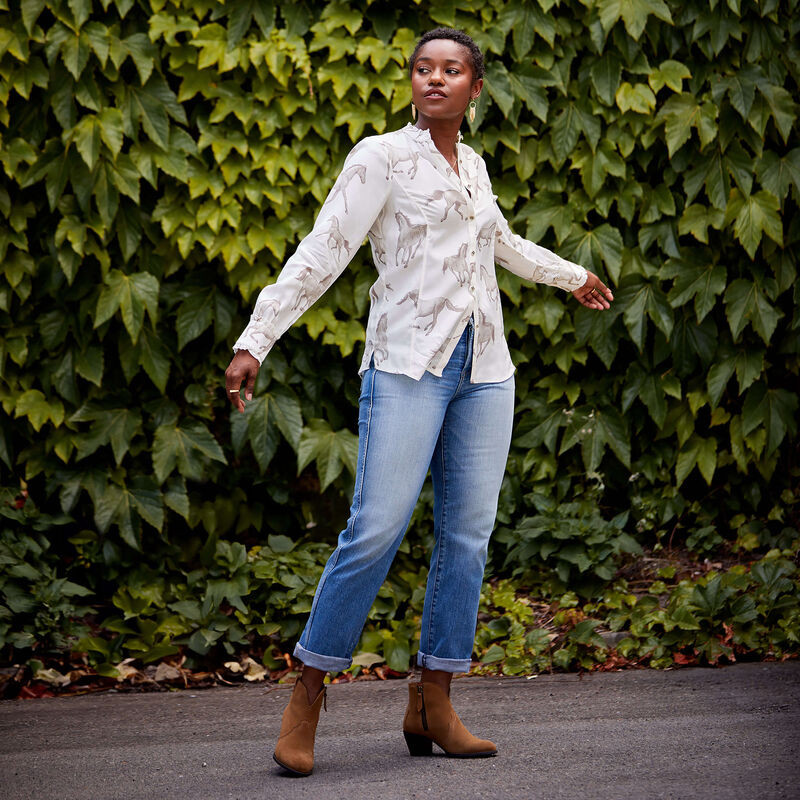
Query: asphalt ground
[731,733]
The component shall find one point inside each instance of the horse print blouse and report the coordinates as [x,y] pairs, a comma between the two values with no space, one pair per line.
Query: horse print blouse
[435,239]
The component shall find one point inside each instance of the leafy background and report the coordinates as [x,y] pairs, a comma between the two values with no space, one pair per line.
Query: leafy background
[161,159]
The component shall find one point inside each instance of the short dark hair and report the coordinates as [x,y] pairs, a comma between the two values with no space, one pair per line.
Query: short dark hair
[475,54]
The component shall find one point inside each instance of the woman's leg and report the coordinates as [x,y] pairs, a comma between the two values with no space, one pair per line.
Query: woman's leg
[399,424]
[467,469]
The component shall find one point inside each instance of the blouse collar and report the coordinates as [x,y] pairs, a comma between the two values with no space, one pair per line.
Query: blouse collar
[423,134]
[423,137]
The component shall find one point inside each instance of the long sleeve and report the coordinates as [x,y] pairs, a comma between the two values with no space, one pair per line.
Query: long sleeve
[532,262]
[346,216]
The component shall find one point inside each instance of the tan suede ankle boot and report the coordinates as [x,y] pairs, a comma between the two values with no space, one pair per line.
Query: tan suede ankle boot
[430,718]
[295,749]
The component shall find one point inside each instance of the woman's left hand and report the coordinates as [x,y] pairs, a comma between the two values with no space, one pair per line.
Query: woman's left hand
[594,293]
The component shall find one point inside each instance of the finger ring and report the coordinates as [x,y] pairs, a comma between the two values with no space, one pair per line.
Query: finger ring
[233,391]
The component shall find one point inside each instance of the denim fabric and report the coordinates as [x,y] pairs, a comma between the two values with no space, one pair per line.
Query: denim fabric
[461,431]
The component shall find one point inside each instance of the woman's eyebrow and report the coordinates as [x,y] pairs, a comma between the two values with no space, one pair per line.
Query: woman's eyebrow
[447,60]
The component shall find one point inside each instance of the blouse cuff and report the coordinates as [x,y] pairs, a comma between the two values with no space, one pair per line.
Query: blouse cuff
[258,340]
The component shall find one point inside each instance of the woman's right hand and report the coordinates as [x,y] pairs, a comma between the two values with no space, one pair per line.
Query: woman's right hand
[243,367]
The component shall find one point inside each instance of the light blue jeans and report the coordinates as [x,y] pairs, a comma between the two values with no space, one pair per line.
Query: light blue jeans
[462,431]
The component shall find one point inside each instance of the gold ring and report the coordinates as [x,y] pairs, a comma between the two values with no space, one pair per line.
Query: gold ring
[234,391]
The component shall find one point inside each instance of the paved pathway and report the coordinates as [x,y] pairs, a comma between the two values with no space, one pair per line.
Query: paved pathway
[730,733]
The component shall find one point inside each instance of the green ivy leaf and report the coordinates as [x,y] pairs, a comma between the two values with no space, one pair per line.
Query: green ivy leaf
[638,98]
[195,314]
[754,215]
[698,452]
[640,300]
[696,219]
[595,430]
[38,409]
[701,281]
[176,498]
[775,409]
[606,73]
[152,355]
[602,244]
[30,12]
[669,73]
[116,427]
[278,410]
[745,302]
[498,84]
[331,450]
[778,174]
[634,14]
[87,139]
[680,114]
[132,294]
[185,447]
[718,376]
[749,366]
[782,106]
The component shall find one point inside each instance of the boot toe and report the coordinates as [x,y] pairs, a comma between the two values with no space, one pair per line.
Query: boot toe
[482,748]
[296,763]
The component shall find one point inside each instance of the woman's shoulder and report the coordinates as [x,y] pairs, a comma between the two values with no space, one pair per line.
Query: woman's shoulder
[380,143]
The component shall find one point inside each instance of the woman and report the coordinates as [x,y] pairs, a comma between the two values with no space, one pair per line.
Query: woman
[437,385]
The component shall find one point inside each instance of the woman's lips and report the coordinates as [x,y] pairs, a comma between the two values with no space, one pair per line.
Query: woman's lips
[435,96]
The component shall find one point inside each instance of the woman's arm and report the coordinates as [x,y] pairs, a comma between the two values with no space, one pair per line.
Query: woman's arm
[346,216]
[537,264]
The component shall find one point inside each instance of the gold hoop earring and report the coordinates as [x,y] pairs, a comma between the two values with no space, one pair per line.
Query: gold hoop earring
[472,107]
[413,112]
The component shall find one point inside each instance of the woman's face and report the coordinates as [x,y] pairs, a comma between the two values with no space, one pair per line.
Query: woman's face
[441,82]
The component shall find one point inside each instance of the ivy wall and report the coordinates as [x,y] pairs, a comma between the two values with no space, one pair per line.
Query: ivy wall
[160,160]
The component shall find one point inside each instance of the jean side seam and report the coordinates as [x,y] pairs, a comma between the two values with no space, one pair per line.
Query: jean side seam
[440,548]
[352,525]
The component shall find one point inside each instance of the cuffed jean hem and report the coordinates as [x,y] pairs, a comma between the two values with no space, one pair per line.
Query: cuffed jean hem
[317,661]
[443,664]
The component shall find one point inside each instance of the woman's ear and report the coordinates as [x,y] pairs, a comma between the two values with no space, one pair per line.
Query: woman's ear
[476,89]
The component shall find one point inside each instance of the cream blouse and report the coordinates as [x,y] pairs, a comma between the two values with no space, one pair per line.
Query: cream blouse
[435,239]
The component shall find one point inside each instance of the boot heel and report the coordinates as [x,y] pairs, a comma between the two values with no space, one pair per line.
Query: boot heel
[418,745]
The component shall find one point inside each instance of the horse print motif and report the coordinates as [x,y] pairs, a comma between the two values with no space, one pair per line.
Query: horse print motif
[490,282]
[377,238]
[485,234]
[457,264]
[310,287]
[452,199]
[397,157]
[436,356]
[356,171]
[484,334]
[380,347]
[260,343]
[336,241]
[408,238]
[429,308]
[266,310]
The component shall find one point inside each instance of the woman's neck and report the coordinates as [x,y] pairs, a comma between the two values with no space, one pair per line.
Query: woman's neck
[444,134]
